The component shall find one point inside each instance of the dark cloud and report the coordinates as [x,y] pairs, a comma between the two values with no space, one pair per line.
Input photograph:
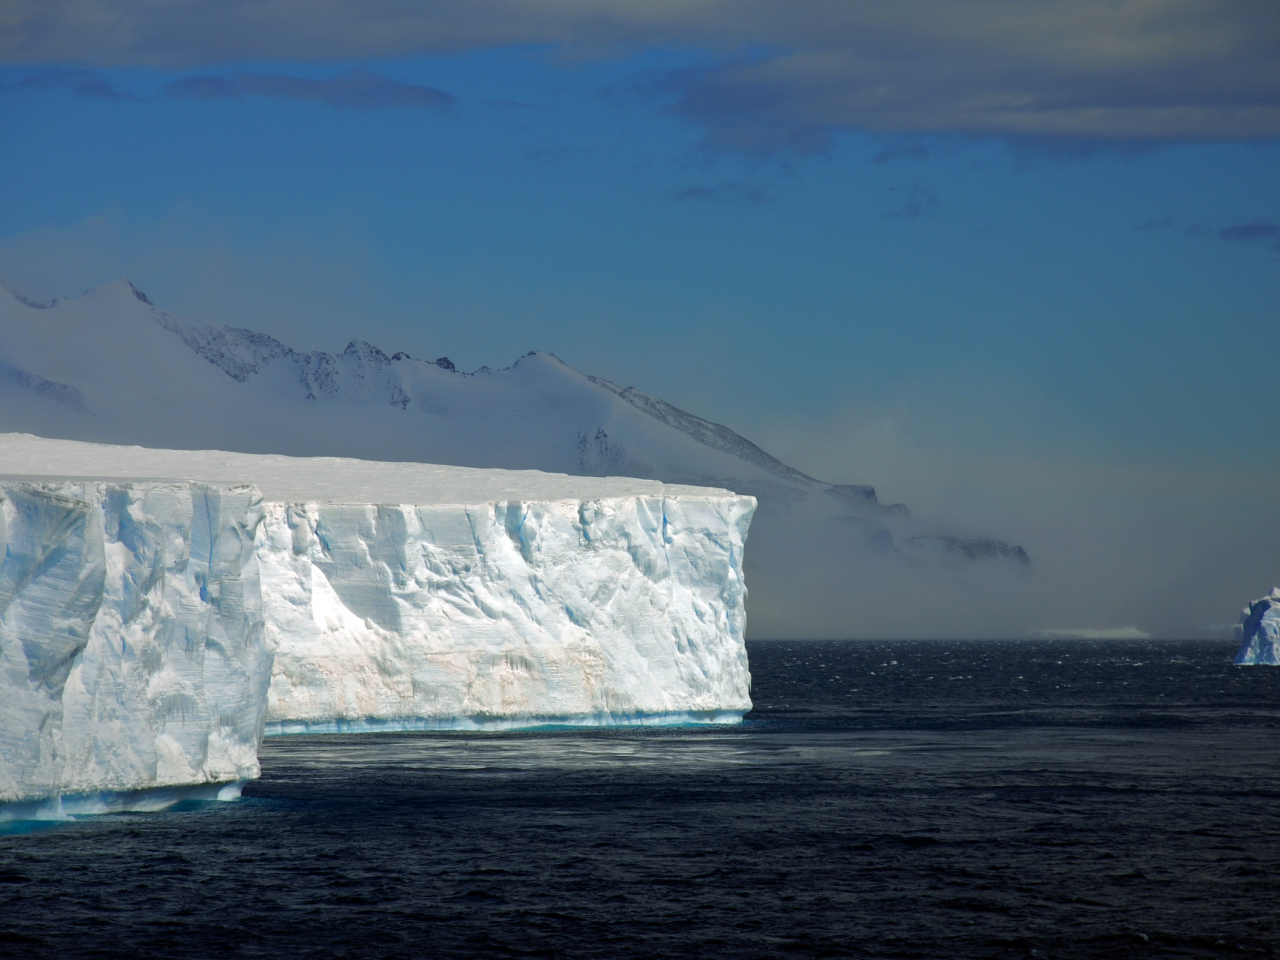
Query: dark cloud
[357,89]
[83,83]
[920,202]
[732,192]
[556,154]
[1058,79]
[1102,71]
[1254,230]
[204,88]
[511,106]
[1166,224]
[905,149]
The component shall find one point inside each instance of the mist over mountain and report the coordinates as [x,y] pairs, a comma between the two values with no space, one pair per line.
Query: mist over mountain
[823,559]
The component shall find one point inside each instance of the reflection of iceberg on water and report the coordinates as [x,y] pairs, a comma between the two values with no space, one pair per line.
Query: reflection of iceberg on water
[1259,631]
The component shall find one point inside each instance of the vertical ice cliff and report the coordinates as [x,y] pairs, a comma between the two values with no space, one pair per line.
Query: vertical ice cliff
[1259,632]
[132,652]
[506,613]
[414,595]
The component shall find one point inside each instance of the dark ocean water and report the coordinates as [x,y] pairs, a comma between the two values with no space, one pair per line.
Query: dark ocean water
[897,799]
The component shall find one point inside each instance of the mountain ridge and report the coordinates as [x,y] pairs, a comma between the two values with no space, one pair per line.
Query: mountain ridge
[111,366]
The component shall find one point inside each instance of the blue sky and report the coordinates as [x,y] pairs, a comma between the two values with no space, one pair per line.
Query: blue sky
[812,227]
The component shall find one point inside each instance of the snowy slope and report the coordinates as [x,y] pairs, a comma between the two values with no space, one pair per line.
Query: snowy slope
[825,559]
[414,595]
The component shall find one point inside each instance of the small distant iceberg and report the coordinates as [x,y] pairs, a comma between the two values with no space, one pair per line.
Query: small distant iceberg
[1259,632]
[1112,633]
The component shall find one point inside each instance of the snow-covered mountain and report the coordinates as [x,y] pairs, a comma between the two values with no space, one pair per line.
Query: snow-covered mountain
[824,559]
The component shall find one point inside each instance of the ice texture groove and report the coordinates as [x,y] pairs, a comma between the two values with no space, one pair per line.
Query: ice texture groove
[1259,632]
[609,610]
[131,636]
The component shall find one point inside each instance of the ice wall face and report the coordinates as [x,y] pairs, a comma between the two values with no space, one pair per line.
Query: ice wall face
[1259,632]
[419,595]
[132,651]
[608,610]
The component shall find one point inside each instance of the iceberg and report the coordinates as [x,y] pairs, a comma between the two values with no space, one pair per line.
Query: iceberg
[1259,632]
[412,596]
[132,649]
[504,613]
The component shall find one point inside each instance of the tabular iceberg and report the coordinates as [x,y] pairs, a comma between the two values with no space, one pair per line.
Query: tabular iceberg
[407,595]
[1259,632]
[132,650]
[586,611]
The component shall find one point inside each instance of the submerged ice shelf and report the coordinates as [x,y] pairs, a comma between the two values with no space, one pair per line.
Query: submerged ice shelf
[1259,632]
[413,596]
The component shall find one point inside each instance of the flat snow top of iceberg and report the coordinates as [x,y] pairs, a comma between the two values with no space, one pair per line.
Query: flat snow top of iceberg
[328,479]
